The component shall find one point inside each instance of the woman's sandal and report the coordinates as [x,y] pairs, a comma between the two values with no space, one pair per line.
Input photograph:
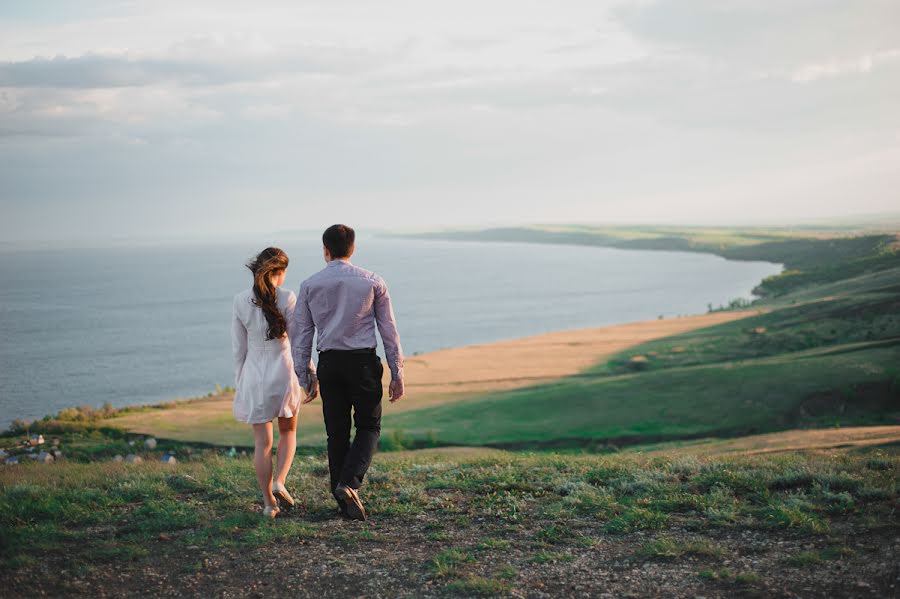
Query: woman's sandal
[285,501]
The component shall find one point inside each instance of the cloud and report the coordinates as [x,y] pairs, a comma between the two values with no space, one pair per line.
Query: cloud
[765,34]
[476,110]
[124,70]
[837,68]
[266,111]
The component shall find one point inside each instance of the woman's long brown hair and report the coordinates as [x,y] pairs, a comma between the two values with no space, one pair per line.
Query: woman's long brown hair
[268,262]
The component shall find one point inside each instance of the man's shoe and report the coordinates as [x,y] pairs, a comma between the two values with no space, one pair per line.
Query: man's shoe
[349,496]
[342,509]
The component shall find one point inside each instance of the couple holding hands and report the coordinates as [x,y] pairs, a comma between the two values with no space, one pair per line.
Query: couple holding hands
[272,336]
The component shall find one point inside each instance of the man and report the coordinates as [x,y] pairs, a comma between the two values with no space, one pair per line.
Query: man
[345,304]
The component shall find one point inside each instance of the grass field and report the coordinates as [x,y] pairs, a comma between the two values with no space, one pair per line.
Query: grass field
[821,353]
[824,351]
[464,522]
[716,400]
[646,479]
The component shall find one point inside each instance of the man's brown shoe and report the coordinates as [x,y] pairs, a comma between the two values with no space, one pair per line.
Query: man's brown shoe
[349,496]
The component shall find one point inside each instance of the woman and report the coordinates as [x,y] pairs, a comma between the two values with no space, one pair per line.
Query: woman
[266,384]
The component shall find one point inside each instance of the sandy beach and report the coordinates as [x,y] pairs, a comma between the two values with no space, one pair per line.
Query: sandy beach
[531,360]
[448,375]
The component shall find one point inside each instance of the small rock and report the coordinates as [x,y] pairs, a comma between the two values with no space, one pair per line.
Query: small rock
[12,461]
[56,454]
[168,459]
[150,443]
[44,457]
[56,441]
[133,459]
[131,443]
[118,458]
[3,454]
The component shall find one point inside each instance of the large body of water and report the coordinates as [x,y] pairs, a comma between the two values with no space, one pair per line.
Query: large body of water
[136,326]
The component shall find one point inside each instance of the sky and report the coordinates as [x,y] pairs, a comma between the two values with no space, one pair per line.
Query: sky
[143,118]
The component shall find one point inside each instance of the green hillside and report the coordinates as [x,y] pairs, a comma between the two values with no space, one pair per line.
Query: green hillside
[826,352]
[457,523]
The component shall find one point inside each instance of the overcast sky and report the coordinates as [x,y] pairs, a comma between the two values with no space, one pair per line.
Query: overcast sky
[167,117]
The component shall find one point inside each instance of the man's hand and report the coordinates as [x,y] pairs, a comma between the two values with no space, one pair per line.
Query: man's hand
[395,390]
[312,391]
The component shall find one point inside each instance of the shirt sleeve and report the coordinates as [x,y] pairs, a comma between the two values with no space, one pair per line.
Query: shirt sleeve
[301,331]
[238,342]
[387,327]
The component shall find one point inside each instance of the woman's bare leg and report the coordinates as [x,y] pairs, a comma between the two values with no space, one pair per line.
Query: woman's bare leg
[287,445]
[262,460]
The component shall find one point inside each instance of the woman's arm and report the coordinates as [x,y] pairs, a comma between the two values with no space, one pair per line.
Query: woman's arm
[238,342]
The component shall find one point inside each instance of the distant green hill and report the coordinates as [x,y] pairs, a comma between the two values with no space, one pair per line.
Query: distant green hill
[826,352]
[810,257]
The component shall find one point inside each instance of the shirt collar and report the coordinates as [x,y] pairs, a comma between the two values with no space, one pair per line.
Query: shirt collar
[338,261]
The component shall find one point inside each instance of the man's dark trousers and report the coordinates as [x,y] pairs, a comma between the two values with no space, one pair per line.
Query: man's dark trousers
[350,380]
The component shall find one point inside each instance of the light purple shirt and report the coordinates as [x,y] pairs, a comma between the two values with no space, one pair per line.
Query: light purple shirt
[345,303]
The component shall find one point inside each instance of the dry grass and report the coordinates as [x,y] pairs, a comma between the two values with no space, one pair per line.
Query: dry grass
[789,441]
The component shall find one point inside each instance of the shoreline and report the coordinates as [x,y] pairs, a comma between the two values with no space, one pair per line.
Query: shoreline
[161,388]
[528,360]
[435,378]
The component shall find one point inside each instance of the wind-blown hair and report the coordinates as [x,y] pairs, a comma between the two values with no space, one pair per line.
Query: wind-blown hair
[268,262]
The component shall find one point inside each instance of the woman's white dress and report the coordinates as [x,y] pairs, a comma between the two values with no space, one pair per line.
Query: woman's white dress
[266,385]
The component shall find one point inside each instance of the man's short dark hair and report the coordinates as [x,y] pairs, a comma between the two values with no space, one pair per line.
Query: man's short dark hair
[339,240]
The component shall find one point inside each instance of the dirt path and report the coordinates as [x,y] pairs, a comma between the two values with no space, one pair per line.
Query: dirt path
[796,440]
[395,559]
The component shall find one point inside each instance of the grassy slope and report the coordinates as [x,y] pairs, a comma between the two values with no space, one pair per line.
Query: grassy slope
[723,399]
[827,352]
[467,522]
[455,522]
